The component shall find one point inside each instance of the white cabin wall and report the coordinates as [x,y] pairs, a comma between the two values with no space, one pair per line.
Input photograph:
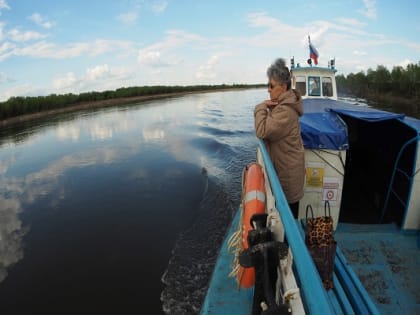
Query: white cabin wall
[335,95]
[315,71]
[412,219]
[328,186]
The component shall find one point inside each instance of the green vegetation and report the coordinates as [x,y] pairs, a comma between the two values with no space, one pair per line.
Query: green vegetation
[401,84]
[19,105]
[381,84]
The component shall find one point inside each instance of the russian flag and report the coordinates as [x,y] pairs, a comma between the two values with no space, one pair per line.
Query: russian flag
[313,53]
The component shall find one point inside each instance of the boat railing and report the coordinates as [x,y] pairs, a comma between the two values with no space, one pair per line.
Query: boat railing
[348,296]
[408,177]
[315,296]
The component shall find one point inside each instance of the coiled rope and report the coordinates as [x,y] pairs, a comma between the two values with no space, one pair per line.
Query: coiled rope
[235,240]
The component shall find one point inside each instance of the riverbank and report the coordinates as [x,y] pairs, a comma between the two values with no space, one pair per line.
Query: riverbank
[100,104]
[395,104]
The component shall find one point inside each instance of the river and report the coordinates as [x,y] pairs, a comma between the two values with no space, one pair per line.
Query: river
[122,209]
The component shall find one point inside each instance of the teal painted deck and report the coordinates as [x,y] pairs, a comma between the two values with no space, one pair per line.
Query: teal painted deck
[223,296]
[376,269]
[387,263]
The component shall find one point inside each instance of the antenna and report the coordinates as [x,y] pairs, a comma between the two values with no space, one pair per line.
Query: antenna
[332,63]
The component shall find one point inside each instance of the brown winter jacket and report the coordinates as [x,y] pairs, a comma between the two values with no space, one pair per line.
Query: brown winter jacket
[279,127]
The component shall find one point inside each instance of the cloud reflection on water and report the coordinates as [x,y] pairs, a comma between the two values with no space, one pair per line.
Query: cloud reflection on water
[18,192]
[100,139]
[11,233]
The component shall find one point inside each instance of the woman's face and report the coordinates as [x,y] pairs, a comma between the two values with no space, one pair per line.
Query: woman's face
[275,89]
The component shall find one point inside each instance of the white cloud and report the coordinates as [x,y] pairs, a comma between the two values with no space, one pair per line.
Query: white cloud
[19,90]
[150,58]
[18,36]
[99,78]
[351,22]
[209,69]
[68,80]
[412,45]
[105,72]
[279,35]
[4,78]
[359,53]
[97,72]
[159,54]
[261,19]
[180,37]
[1,30]
[40,21]
[405,63]
[3,5]
[102,46]
[128,18]
[369,10]
[44,49]
[159,6]
[6,50]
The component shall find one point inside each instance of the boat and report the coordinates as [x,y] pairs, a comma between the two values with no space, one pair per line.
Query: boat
[365,164]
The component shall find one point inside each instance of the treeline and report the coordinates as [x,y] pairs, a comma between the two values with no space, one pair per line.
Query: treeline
[381,83]
[20,105]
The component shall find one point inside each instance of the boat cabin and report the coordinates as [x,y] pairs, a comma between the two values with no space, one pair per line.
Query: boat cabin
[376,276]
[366,163]
[314,82]
[363,160]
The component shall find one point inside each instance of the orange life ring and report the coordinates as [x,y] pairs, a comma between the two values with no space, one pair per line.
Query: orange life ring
[253,202]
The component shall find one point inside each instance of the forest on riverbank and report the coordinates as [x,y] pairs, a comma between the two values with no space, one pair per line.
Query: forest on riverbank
[27,105]
[400,85]
[381,85]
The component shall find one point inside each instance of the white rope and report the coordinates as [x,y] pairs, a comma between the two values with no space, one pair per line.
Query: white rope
[328,162]
[235,247]
[235,241]
[291,294]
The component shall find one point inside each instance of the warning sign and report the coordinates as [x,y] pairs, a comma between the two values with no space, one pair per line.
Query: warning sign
[330,194]
[314,177]
[330,189]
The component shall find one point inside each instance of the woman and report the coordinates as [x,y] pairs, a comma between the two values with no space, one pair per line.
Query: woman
[277,123]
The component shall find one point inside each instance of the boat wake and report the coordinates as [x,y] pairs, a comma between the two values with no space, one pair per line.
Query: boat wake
[194,255]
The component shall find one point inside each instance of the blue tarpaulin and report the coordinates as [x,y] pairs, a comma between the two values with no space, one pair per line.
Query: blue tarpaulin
[368,115]
[323,130]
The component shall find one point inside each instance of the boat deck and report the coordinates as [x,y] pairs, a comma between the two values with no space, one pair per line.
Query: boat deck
[224,295]
[387,263]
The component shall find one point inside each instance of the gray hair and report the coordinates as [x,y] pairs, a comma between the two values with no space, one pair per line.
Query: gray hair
[279,72]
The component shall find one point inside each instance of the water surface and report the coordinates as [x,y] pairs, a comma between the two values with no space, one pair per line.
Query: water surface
[118,210]
[121,209]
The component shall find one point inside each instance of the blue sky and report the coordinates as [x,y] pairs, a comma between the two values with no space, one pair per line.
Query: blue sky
[75,46]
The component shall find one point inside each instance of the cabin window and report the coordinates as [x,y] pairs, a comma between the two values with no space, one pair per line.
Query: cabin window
[327,89]
[314,86]
[301,85]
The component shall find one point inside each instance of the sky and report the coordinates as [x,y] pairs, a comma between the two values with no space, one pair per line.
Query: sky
[74,46]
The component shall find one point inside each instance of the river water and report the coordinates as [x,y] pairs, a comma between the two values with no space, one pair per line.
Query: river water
[121,210]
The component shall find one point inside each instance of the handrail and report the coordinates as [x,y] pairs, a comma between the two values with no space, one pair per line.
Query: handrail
[310,282]
[390,187]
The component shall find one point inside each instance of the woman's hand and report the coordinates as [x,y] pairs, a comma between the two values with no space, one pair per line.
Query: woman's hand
[271,103]
[266,105]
